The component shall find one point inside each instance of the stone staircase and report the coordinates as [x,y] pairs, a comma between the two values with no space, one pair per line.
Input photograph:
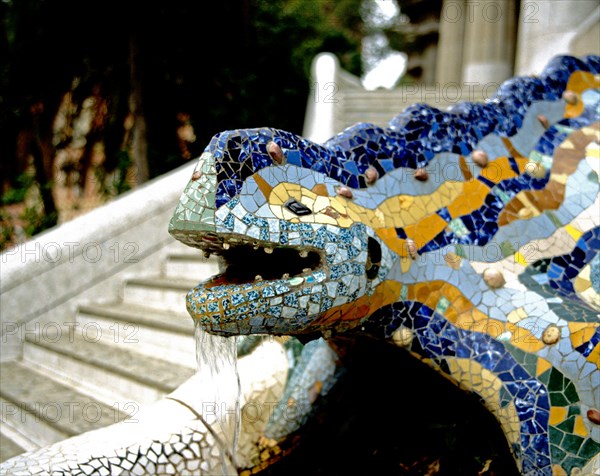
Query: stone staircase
[338,99]
[98,367]
[378,107]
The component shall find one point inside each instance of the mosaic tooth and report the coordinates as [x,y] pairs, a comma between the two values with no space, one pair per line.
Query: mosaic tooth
[268,250]
[303,254]
[206,254]
[285,276]
[296,281]
[258,277]
[306,270]
[226,246]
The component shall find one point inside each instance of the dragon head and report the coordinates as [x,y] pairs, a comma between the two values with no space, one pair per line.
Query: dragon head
[297,243]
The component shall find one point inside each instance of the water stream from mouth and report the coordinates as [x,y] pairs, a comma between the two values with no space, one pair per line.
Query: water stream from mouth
[219,397]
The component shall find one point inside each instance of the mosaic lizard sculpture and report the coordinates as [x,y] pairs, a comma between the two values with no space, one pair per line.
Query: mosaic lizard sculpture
[471,238]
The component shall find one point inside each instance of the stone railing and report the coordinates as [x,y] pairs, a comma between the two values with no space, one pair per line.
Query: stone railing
[84,258]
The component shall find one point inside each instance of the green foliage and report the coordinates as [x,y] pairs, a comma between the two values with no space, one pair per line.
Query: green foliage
[119,183]
[7,229]
[18,193]
[228,64]
[36,220]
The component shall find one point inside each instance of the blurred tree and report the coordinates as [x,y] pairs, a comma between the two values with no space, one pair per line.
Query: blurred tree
[156,82]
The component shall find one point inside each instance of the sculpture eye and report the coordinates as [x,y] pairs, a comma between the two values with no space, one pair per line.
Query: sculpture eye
[296,207]
[373,258]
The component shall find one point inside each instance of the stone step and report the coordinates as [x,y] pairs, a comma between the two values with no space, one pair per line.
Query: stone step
[8,448]
[165,294]
[45,411]
[190,265]
[115,375]
[152,332]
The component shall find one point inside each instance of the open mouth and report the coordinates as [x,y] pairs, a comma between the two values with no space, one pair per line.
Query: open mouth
[249,261]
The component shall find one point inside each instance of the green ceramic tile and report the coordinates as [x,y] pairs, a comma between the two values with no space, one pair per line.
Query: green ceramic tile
[567,425]
[589,448]
[571,393]
[572,443]
[558,399]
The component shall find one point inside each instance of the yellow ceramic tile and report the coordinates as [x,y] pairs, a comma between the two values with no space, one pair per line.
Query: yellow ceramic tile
[308,201]
[541,366]
[578,82]
[574,232]
[426,229]
[390,238]
[321,203]
[264,187]
[521,163]
[581,332]
[593,151]
[524,339]
[451,292]
[339,204]
[567,144]
[519,258]
[594,356]
[559,178]
[558,415]
[357,215]
[579,428]
[498,170]
[278,196]
[489,388]
[477,380]
[320,189]
[583,280]
[405,264]
[513,152]
[591,297]
[473,196]
[557,470]
[287,215]
[524,200]
[517,315]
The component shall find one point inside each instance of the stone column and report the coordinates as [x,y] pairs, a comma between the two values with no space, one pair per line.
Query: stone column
[450,44]
[428,59]
[554,27]
[490,30]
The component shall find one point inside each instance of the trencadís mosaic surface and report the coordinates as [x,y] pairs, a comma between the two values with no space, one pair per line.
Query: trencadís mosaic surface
[470,237]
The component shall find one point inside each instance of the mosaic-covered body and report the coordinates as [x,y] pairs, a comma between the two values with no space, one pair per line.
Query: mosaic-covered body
[470,237]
